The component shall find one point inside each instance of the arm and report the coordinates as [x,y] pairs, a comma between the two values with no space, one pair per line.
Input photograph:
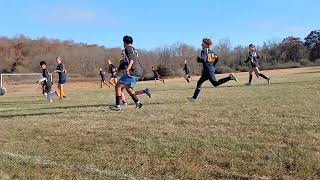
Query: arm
[129,67]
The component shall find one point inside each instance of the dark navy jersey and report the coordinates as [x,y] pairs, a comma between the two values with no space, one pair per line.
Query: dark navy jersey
[112,69]
[208,60]
[155,73]
[186,69]
[62,74]
[47,84]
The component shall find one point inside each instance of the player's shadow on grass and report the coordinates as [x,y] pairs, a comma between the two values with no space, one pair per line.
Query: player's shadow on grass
[69,107]
[28,114]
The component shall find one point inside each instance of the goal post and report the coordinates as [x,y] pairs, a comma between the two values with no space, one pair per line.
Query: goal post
[18,77]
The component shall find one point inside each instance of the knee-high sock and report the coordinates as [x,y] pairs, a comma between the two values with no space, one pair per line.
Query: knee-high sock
[250,78]
[140,92]
[135,98]
[123,97]
[263,76]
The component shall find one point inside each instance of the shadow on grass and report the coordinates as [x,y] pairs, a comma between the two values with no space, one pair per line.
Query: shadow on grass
[28,114]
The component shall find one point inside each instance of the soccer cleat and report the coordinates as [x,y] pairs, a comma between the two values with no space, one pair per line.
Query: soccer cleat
[248,84]
[139,105]
[233,77]
[191,99]
[115,108]
[148,92]
[269,81]
[124,104]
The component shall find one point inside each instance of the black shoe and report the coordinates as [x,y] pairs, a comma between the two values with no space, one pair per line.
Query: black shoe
[139,105]
[115,108]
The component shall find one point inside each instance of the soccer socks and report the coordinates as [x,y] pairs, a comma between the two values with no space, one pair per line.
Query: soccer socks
[196,93]
[250,78]
[118,100]
[135,98]
[263,76]
[140,92]
[123,98]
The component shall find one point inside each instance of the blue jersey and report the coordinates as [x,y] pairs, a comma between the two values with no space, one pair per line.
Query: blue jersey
[62,74]
[208,60]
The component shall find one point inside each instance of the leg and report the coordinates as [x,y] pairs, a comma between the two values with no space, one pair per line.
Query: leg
[101,83]
[215,83]
[202,79]
[134,97]
[250,76]
[256,71]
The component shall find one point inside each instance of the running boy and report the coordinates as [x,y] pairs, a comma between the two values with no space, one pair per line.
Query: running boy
[254,62]
[47,83]
[187,71]
[209,60]
[103,78]
[157,76]
[131,69]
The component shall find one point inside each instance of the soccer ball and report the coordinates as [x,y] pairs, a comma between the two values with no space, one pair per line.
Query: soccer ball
[3,91]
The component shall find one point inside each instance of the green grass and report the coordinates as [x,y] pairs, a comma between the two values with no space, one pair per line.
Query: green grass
[232,132]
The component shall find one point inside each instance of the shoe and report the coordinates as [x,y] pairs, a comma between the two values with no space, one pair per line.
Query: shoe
[64,96]
[148,93]
[269,81]
[124,104]
[191,99]
[248,84]
[139,105]
[233,77]
[115,108]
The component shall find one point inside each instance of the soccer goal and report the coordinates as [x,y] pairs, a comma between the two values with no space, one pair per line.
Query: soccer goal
[19,82]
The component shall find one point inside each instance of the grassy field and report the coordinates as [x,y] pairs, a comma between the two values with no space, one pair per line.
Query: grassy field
[232,132]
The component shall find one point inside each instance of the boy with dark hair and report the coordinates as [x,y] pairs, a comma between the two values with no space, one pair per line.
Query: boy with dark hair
[187,71]
[157,76]
[103,78]
[46,82]
[131,69]
[253,58]
[209,60]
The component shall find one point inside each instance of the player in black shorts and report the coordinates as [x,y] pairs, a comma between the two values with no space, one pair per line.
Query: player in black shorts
[157,76]
[46,83]
[187,71]
[253,58]
[103,76]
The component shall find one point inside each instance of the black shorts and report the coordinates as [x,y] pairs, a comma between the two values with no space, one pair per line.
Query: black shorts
[47,87]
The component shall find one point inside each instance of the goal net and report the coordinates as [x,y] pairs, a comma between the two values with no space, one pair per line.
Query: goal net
[21,83]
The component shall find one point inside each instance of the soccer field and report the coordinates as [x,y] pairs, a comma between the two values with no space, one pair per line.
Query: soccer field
[231,132]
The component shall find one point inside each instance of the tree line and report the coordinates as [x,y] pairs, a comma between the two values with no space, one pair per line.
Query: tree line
[22,54]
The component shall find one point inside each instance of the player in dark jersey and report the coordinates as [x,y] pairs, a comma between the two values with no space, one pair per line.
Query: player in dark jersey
[61,70]
[157,76]
[113,73]
[131,69]
[187,71]
[103,76]
[209,60]
[46,83]
[253,58]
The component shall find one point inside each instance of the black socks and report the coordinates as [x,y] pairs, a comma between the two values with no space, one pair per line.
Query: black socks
[134,98]
[263,76]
